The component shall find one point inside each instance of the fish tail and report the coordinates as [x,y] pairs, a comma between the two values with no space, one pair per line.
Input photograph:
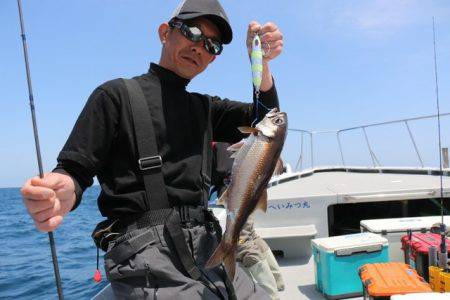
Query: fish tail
[218,256]
[225,253]
[230,264]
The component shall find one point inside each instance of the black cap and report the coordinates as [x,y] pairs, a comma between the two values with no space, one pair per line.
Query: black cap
[210,9]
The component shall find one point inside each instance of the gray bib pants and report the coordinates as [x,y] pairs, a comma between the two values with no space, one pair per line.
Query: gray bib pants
[152,269]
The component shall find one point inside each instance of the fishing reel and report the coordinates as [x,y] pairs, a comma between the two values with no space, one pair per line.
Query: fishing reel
[436,228]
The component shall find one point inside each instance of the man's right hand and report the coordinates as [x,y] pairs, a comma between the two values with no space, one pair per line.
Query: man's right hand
[49,199]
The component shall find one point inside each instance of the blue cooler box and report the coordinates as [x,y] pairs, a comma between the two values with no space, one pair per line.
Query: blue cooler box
[337,260]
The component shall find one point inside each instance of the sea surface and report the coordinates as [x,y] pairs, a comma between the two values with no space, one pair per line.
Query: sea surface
[26,268]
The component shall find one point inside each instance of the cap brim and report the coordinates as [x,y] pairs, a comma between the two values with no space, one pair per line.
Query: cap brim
[224,27]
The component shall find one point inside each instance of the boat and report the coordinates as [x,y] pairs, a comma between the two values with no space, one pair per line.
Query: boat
[324,201]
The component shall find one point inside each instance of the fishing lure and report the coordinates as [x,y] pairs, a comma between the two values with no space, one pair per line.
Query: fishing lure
[256,58]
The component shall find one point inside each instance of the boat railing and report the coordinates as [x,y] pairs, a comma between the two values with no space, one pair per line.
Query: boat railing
[313,135]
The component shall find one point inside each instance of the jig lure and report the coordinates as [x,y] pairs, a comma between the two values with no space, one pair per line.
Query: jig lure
[256,58]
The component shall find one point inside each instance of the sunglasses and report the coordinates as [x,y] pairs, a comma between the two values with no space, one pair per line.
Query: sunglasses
[194,34]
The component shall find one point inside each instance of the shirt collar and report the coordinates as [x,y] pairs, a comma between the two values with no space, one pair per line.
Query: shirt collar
[168,77]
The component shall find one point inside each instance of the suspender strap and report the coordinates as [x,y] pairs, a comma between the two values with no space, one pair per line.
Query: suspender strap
[184,254]
[176,235]
[226,280]
[228,284]
[207,156]
[150,162]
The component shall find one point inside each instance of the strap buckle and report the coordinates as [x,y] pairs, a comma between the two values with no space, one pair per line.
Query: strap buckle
[184,215]
[151,162]
[191,215]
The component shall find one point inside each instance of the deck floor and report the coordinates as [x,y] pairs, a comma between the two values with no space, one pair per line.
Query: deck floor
[298,275]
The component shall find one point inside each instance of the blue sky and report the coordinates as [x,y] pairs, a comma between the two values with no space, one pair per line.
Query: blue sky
[345,63]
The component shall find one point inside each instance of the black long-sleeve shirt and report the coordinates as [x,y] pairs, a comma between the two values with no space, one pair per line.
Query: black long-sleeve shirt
[102,142]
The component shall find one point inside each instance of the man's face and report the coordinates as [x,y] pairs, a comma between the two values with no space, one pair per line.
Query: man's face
[182,56]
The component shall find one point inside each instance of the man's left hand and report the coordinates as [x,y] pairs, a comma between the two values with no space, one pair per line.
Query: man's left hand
[271,39]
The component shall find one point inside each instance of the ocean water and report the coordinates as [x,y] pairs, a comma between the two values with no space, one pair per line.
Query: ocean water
[26,268]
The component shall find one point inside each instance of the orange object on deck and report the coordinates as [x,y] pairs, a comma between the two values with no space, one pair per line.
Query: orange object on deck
[387,279]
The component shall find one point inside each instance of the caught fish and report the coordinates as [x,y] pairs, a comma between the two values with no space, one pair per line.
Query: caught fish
[256,58]
[254,162]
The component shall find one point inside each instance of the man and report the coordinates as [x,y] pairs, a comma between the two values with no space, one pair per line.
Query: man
[253,253]
[146,140]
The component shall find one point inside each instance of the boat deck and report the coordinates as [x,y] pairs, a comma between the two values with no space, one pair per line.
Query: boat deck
[301,199]
[298,275]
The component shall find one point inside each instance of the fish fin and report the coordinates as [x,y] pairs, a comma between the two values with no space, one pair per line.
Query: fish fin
[245,129]
[223,198]
[234,155]
[279,167]
[262,202]
[218,256]
[225,253]
[235,147]
[229,262]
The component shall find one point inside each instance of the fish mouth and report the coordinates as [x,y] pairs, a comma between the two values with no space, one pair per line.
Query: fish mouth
[272,112]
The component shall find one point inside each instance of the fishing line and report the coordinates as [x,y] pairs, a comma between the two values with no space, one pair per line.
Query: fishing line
[442,227]
[259,103]
[439,121]
[262,104]
[36,140]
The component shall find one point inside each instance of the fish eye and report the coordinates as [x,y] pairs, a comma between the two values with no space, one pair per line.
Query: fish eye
[278,121]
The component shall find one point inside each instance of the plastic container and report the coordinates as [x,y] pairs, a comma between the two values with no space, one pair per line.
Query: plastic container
[416,251]
[422,296]
[434,278]
[337,261]
[444,277]
[394,229]
[382,280]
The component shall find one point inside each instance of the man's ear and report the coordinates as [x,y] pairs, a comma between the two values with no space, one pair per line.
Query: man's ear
[163,32]
[213,58]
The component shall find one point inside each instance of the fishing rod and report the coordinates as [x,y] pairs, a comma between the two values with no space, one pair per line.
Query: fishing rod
[443,248]
[38,149]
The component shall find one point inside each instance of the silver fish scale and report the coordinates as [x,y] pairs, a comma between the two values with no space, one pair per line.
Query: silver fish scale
[252,168]
[242,153]
[244,168]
